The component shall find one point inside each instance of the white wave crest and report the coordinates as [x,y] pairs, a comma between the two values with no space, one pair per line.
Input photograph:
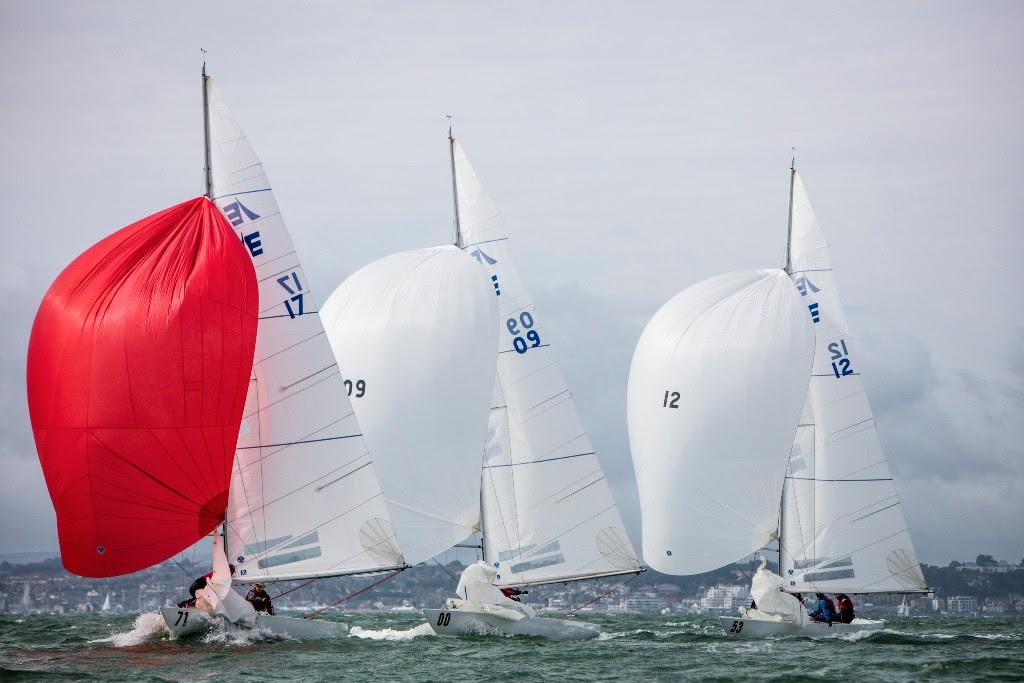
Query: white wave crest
[391,633]
[226,633]
[147,626]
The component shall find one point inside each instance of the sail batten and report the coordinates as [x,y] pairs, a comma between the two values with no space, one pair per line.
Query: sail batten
[547,513]
[302,476]
[841,508]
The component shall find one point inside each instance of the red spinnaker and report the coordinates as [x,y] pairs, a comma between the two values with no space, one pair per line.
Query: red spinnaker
[138,367]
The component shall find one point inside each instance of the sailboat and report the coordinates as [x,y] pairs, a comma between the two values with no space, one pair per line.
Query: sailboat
[208,402]
[793,459]
[305,501]
[106,604]
[546,512]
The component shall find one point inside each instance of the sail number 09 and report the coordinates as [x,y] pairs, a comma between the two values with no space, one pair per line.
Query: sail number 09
[359,386]
[519,343]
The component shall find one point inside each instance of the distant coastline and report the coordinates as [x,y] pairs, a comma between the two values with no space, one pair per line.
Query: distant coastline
[29,557]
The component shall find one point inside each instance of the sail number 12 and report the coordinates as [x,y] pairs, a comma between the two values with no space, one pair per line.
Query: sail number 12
[671,399]
[840,358]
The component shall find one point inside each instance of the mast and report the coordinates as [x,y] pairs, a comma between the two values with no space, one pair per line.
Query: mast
[455,186]
[789,222]
[207,173]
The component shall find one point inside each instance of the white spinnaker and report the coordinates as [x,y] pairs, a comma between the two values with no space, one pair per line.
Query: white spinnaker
[715,390]
[415,336]
[304,497]
[548,513]
[844,528]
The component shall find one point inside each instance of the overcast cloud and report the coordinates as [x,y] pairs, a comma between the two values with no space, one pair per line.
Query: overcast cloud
[634,148]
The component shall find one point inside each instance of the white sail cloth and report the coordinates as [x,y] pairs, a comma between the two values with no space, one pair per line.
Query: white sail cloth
[843,524]
[767,590]
[415,336]
[548,513]
[715,390]
[218,596]
[304,498]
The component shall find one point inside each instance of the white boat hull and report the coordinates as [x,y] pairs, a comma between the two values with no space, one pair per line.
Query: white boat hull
[743,627]
[189,621]
[463,622]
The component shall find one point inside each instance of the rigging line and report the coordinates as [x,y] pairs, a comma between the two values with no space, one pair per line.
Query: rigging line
[183,569]
[841,480]
[235,194]
[301,585]
[358,592]
[532,347]
[603,595]
[295,443]
[537,462]
[496,239]
[450,575]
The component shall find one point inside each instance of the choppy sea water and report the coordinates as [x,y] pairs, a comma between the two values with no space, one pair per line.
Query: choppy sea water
[401,647]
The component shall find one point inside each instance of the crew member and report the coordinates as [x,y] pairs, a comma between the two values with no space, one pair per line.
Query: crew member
[259,599]
[513,593]
[199,584]
[846,614]
[823,612]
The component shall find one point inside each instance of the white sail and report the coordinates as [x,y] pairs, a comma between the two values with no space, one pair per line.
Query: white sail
[547,511]
[715,390]
[843,524]
[415,336]
[304,497]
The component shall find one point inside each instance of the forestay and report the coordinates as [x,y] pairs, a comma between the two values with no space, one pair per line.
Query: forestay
[415,336]
[304,497]
[715,390]
[547,511]
[843,524]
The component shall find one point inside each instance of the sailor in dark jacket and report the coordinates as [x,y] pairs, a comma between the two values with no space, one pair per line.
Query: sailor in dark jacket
[259,599]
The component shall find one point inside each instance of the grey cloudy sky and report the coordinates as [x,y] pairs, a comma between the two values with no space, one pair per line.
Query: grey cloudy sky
[634,148]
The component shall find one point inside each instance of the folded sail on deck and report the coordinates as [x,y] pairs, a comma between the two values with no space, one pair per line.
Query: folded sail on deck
[547,511]
[414,334]
[305,500]
[715,390]
[843,524]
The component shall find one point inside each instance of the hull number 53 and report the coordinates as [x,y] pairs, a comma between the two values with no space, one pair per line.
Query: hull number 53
[737,626]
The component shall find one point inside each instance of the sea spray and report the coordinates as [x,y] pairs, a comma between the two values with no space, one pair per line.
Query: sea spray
[148,626]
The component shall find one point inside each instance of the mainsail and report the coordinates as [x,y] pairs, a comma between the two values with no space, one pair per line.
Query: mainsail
[843,527]
[414,333]
[715,390]
[138,365]
[304,500]
[547,512]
